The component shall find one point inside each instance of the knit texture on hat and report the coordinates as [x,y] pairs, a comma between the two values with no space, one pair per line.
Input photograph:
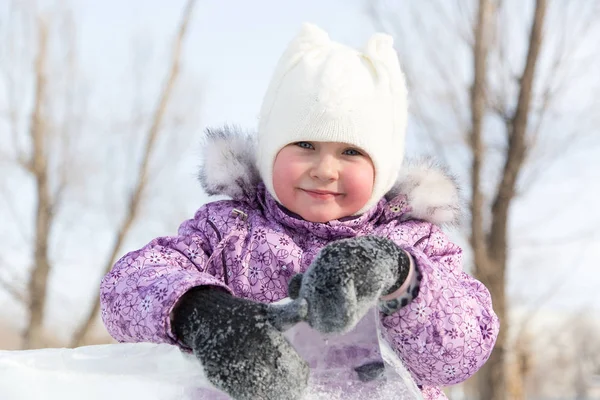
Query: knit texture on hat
[324,91]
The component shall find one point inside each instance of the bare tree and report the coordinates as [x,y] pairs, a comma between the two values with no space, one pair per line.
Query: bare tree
[38,166]
[46,154]
[135,198]
[35,159]
[491,264]
[499,116]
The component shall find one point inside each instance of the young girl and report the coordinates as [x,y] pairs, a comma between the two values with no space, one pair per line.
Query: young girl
[319,190]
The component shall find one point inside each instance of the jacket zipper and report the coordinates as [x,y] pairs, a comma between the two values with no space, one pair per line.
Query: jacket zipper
[225,277]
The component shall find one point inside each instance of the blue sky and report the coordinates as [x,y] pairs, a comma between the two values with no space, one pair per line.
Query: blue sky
[231,49]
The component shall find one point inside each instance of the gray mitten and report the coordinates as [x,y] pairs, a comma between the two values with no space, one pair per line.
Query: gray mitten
[240,345]
[346,279]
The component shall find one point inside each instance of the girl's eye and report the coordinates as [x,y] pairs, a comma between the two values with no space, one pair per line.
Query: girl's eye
[352,152]
[305,145]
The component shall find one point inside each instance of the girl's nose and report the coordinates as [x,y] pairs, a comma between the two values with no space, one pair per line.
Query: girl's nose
[326,168]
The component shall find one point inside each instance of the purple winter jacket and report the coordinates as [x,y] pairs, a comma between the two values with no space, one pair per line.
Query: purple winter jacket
[252,246]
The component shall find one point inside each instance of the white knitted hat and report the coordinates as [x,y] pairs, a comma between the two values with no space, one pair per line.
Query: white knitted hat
[324,91]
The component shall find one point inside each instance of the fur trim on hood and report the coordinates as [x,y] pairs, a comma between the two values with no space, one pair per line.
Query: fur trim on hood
[229,169]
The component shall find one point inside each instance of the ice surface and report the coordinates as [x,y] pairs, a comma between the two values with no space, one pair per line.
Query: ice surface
[162,372]
[332,359]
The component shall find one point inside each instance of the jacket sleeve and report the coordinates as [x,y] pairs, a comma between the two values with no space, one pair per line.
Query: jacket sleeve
[447,332]
[139,293]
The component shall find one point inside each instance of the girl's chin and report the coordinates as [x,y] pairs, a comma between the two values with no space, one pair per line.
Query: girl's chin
[321,217]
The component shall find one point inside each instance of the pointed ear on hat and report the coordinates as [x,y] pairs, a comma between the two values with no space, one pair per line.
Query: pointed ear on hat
[380,46]
[312,35]
[309,38]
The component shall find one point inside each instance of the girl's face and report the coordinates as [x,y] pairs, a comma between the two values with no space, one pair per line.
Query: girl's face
[323,181]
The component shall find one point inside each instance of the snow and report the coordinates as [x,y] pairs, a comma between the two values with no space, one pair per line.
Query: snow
[121,371]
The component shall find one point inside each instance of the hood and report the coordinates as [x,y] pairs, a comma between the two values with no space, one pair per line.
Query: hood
[229,169]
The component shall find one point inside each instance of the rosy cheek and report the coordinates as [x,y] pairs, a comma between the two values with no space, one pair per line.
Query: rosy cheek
[361,182]
[285,178]
[279,183]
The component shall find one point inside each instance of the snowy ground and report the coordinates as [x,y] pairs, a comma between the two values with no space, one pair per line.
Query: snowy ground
[124,371]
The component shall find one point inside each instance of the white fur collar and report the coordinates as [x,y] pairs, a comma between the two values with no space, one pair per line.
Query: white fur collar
[229,169]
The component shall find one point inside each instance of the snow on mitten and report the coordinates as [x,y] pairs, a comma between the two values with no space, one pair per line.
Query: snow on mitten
[238,342]
[347,278]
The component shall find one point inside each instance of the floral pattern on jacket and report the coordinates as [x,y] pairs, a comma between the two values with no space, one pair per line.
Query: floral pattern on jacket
[252,248]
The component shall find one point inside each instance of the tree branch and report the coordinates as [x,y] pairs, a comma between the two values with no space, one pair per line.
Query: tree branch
[142,179]
[13,115]
[70,120]
[38,279]
[517,146]
[11,207]
[13,292]
[382,22]
[478,102]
